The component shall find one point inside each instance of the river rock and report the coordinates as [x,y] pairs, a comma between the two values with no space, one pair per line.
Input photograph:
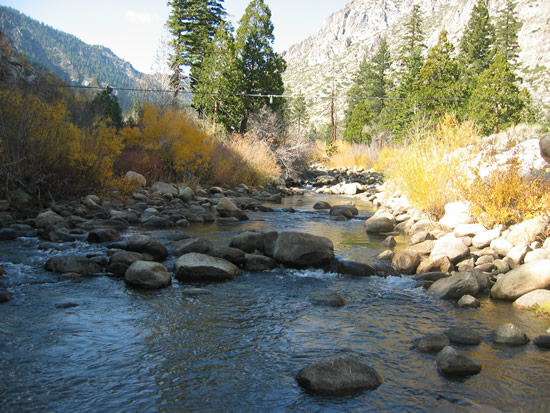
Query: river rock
[542,341]
[544,145]
[148,274]
[248,241]
[456,213]
[233,255]
[165,189]
[509,334]
[258,263]
[433,343]
[422,248]
[535,255]
[501,246]
[521,280]
[144,244]
[200,267]
[405,261]
[72,263]
[421,236]
[104,235]
[386,255]
[296,249]
[468,301]
[451,362]
[423,225]
[338,376]
[328,298]
[46,219]
[528,231]
[518,253]
[227,209]
[136,178]
[442,264]
[186,194]
[462,335]
[484,239]
[533,299]
[322,205]
[456,286]
[126,257]
[4,297]
[185,246]
[348,211]
[7,234]
[468,230]
[451,247]
[354,268]
[379,223]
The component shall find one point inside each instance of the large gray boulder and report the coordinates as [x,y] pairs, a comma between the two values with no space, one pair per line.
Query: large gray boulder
[451,247]
[433,343]
[233,255]
[296,249]
[72,263]
[227,209]
[456,213]
[456,286]
[463,335]
[165,189]
[528,231]
[200,267]
[144,244]
[509,334]
[521,280]
[405,261]
[248,241]
[347,211]
[104,235]
[379,223]
[533,299]
[148,274]
[338,376]
[451,362]
[185,246]
[47,218]
[136,178]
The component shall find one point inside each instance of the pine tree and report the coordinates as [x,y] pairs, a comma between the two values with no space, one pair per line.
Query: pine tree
[360,120]
[298,112]
[192,24]
[215,93]
[506,33]
[259,65]
[495,102]
[477,43]
[437,86]
[371,83]
[105,105]
[413,38]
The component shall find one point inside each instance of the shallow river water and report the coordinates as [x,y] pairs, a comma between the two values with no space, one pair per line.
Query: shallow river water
[239,348]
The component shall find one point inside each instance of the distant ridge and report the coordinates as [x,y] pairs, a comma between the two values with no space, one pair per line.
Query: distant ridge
[67,56]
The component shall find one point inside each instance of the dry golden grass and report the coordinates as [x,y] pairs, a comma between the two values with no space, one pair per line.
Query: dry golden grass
[345,154]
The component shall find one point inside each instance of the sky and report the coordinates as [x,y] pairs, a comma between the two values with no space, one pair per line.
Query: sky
[133,29]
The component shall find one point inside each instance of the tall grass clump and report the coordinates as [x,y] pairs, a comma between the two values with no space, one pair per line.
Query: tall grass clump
[348,154]
[428,168]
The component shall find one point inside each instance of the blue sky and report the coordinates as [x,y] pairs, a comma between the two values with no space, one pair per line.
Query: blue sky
[133,28]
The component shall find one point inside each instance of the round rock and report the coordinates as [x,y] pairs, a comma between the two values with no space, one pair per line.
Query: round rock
[148,274]
[451,362]
[510,334]
[328,298]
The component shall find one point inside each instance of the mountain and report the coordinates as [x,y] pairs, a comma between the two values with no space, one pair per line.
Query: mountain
[326,61]
[67,56]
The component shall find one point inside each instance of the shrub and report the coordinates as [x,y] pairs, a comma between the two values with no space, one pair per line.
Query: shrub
[507,197]
[144,161]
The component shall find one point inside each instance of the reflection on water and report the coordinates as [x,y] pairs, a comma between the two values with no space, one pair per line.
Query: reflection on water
[238,349]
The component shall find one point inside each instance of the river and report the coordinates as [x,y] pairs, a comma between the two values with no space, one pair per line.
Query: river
[239,348]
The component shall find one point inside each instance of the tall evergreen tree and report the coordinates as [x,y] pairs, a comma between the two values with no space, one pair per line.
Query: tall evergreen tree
[413,39]
[260,66]
[477,44]
[216,92]
[372,83]
[298,112]
[437,86]
[192,24]
[105,106]
[506,33]
[495,102]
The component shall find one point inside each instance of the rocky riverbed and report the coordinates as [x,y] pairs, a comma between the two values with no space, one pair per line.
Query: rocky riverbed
[454,259]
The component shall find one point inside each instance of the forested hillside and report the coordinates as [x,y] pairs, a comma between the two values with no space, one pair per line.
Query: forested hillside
[67,56]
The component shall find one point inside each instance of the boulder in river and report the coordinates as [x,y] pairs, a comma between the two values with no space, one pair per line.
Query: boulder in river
[104,235]
[533,299]
[451,247]
[296,249]
[258,263]
[509,334]
[328,298]
[347,211]
[432,343]
[227,209]
[322,205]
[233,255]
[7,234]
[248,241]
[451,362]
[144,244]
[72,263]
[200,267]
[456,286]
[188,245]
[380,223]
[4,297]
[338,376]
[148,274]
[463,335]
[521,280]
[406,261]
[542,341]
[47,218]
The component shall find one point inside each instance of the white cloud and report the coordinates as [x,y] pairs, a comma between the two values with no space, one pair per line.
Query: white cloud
[141,18]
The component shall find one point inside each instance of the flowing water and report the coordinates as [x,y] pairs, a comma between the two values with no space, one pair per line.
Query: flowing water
[239,348]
